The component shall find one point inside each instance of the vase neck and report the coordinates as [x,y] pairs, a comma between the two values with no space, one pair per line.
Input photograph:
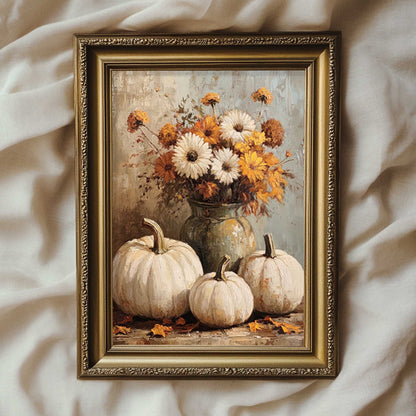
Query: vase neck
[218,211]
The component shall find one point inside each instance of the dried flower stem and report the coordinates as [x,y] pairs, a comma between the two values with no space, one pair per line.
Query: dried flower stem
[259,116]
[213,112]
[150,142]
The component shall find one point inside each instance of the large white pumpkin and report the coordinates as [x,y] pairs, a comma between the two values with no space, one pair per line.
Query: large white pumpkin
[221,299]
[152,275]
[276,279]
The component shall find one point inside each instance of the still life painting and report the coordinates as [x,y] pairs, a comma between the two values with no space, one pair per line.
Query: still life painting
[208,207]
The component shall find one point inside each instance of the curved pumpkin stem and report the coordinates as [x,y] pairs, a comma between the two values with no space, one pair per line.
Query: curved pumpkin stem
[270,250]
[220,275]
[159,246]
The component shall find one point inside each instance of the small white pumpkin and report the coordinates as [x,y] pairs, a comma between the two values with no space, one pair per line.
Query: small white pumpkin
[221,299]
[152,275]
[276,279]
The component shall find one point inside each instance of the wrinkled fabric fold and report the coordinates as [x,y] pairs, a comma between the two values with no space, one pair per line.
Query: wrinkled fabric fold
[377,311]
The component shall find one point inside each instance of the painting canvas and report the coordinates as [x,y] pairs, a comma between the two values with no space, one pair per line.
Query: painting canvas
[208,207]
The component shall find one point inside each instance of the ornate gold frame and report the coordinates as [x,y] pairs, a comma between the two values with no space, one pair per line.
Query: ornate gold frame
[95,56]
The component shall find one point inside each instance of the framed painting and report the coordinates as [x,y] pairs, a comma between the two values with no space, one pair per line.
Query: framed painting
[207,204]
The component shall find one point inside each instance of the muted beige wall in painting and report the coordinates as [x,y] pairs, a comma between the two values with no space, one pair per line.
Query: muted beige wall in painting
[159,93]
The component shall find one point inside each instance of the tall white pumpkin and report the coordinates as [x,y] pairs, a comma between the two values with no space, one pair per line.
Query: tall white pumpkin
[276,279]
[152,275]
[221,299]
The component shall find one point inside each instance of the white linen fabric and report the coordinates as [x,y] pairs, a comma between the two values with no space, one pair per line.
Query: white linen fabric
[378,210]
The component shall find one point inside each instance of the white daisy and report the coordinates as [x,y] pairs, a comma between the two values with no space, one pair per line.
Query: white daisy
[192,156]
[236,124]
[225,166]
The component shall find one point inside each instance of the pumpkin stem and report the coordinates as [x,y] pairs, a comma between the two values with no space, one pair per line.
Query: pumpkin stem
[220,275]
[159,246]
[270,250]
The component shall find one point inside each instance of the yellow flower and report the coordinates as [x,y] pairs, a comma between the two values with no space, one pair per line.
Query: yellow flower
[252,142]
[168,135]
[242,147]
[252,166]
[211,98]
[257,138]
[262,95]
[208,129]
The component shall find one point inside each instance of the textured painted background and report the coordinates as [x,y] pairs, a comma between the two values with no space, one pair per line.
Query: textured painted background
[158,93]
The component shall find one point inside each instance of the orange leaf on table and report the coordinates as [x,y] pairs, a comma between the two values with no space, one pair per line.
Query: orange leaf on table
[180,321]
[288,328]
[161,330]
[167,321]
[187,328]
[254,326]
[285,327]
[118,329]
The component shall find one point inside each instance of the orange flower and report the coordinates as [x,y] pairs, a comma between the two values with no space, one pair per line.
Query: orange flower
[275,177]
[288,154]
[168,135]
[260,189]
[252,166]
[274,132]
[277,182]
[270,159]
[164,167]
[211,98]
[208,129]
[254,206]
[136,119]
[263,95]
[277,194]
[207,189]
[141,116]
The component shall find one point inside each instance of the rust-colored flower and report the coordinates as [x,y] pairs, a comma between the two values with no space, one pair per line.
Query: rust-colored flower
[274,132]
[263,95]
[252,166]
[168,135]
[132,123]
[164,167]
[208,129]
[136,119]
[288,154]
[211,98]
[207,189]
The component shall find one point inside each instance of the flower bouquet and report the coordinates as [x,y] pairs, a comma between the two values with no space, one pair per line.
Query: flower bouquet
[216,158]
